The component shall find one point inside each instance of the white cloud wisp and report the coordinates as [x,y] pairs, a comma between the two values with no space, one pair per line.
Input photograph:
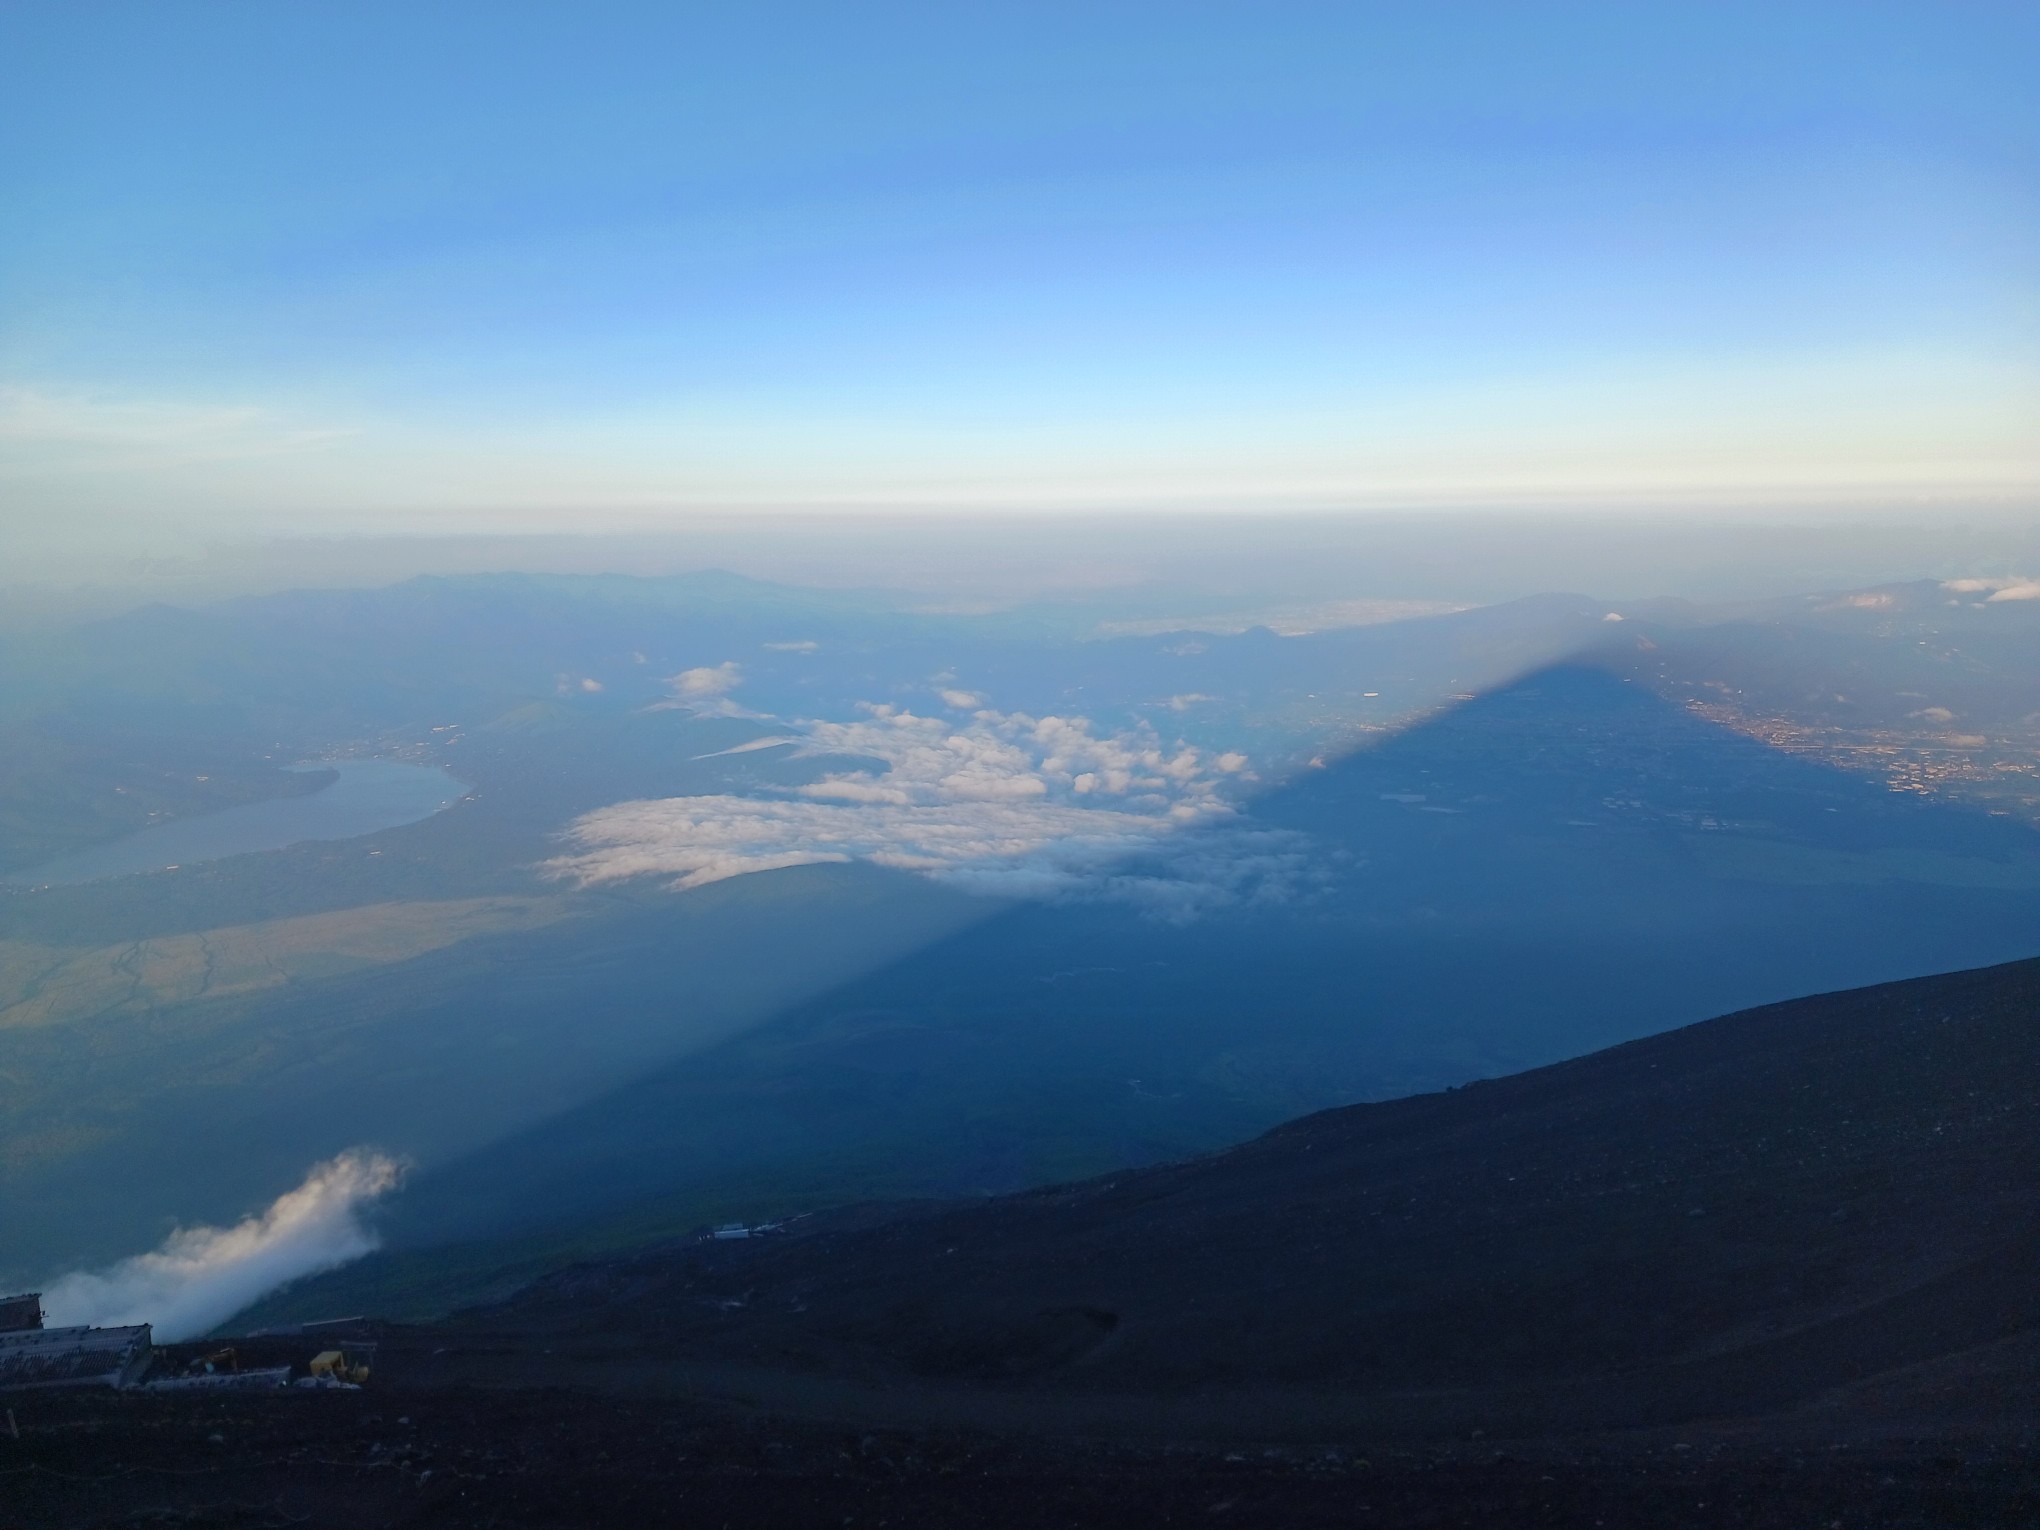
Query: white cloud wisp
[202,1276]
[1006,804]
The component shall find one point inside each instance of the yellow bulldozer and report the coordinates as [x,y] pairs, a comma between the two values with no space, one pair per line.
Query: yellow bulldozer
[332,1364]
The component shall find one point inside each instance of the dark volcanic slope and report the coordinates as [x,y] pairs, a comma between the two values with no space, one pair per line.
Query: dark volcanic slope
[1811,1222]
[1732,1218]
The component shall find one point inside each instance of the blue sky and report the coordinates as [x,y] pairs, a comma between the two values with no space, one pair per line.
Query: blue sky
[518,266]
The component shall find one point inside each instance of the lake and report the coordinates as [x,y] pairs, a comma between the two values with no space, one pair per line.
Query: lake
[369,795]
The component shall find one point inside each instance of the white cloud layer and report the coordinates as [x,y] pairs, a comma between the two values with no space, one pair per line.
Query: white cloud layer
[202,1276]
[1006,804]
[2018,587]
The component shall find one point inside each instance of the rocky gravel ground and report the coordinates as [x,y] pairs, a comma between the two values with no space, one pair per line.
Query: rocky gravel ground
[545,1457]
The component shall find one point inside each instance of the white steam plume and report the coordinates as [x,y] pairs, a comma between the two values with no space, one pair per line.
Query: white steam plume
[202,1276]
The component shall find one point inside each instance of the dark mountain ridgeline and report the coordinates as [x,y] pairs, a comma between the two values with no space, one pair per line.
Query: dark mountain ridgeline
[1736,1218]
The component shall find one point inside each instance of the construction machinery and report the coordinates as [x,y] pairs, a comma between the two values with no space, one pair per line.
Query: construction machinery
[331,1365]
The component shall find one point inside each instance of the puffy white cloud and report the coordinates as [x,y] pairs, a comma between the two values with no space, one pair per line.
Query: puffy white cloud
[202,1276]
[709,680]
[1003,755]
[705,690]
[2028,589]
[1007,803]
[963,701]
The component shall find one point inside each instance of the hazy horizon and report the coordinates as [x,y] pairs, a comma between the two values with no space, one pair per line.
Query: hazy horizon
[389,270]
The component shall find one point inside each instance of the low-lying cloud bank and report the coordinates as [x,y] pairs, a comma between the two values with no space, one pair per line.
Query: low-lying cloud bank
[2017,587]
[1005,804]
[202,1276]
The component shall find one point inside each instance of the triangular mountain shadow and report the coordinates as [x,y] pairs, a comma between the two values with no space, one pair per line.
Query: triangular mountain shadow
[1822,1200]
[1565,863]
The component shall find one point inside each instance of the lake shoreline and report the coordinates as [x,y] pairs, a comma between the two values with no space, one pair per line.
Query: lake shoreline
[366,796]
